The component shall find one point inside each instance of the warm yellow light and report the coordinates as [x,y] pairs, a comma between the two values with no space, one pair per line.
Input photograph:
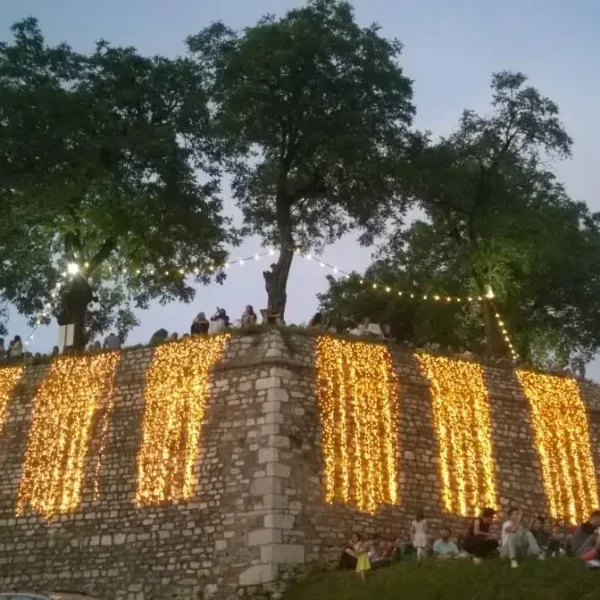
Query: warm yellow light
[463,425]
[563,444]
[177,384]
[59,434]
[9,377]
[357,391]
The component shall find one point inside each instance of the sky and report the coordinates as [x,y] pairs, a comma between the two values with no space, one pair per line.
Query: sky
[450,51]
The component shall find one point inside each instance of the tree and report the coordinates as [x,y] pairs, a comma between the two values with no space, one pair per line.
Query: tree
[106,165]
[540,255]
[313,111]
[487,168]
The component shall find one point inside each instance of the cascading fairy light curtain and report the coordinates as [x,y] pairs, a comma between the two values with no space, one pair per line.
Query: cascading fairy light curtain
[9,377]
[59,435]
[462,421]
[177,385]
[357,390]
[562,439]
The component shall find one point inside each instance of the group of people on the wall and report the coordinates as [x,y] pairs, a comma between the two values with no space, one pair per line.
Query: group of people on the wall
[485,538]
[219,322]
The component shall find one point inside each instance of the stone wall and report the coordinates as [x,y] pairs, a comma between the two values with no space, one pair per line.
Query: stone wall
[258,513]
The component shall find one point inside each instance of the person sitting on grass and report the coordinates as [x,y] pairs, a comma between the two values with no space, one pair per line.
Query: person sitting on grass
[541,535]
[348,558]
[375,549]
[591,557]
[381,552]
[517,540]
[479,542]
[584,536]
[444,547]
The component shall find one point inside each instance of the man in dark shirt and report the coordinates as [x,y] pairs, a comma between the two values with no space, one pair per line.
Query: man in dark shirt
[479,542]
[584,537]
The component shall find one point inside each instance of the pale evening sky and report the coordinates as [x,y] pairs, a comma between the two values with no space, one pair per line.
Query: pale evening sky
[451,50]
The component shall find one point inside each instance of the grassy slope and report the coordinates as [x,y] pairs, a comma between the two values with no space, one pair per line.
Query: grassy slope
[559,579]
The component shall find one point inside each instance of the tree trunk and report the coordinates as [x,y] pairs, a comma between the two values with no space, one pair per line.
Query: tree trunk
[276,282]
[276,279]
[75,306]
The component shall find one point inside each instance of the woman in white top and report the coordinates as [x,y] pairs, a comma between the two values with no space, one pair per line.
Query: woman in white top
[219,322]
[418,530]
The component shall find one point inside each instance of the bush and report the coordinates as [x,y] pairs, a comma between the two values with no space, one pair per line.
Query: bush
[559,579]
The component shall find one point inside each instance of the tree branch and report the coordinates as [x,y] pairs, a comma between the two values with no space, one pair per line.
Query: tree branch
[312,186]
[102,254]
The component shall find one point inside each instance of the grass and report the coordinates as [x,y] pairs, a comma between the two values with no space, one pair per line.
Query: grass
[558,579]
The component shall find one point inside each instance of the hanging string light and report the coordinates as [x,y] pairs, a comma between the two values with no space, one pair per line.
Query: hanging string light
[59,434]
[9,377]
[177,385]
[357,390]
[562,439]
[74,268]
[109,401]
[505,335]
[463,426]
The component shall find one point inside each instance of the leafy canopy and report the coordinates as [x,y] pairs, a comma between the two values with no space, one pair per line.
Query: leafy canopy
[493,215]
[313,112]
[105,161]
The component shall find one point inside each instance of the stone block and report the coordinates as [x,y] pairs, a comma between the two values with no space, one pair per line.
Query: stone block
[280,521]
[278,470]
[269,429]
[264,486]
[271,407]
[276,501]
[279,441]
[267,455]
[291,554]
[266,383]
[258,574]
[277,395]
[262,537]
[274,417]
[281,372]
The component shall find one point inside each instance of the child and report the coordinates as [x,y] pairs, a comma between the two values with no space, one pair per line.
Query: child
[418,530]
[362,564]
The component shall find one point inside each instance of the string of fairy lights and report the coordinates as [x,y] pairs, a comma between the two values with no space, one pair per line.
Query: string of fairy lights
[357,389]
[176,392]
[74,269]
[9,377]
[59,435]
[463,426]
[357,394]
[562,439]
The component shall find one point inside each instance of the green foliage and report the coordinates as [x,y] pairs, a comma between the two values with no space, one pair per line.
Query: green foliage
[444,326]
[494,216]
[99,163]
[559,579]
[313,112]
